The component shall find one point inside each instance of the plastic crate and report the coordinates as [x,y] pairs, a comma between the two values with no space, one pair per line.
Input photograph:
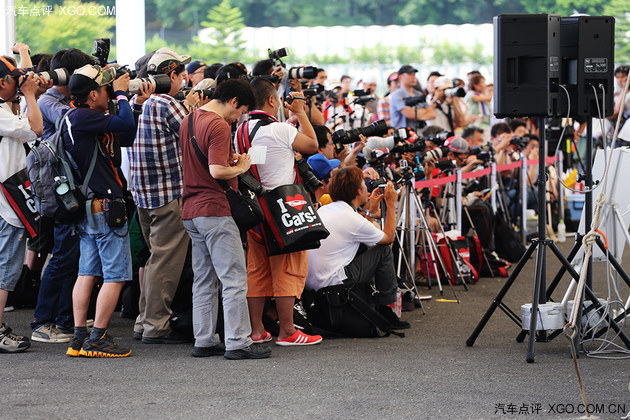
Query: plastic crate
[575,204]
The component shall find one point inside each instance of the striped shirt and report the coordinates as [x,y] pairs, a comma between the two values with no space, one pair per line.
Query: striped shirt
[155,157]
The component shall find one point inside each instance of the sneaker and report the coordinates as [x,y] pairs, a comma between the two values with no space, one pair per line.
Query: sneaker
[9,308]
[254,351]
[217,350]
[137,335]
[173,337]
[262,339]
[12,343]
[66,330]
[49,334]
[103,347]
[74,349]
[300,339]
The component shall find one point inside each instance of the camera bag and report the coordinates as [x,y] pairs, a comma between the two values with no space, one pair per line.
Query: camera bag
[290,221]
[244,205]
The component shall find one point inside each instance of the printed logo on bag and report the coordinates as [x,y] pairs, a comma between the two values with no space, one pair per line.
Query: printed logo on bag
[296,202]
[296,221]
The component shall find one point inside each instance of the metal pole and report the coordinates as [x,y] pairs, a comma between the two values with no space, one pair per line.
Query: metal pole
[524,200]
[493,186]
[458,201]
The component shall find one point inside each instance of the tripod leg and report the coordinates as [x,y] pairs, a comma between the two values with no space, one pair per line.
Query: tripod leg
[499,298]
[538,279]
[563,269]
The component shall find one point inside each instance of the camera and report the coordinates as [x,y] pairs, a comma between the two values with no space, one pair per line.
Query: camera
[126,70]
[310,181]
[484,153]
[445,165]
[373,184]
[440,138]
[437,153]
[414,100]
[314,90]
[341,137]
[101,50]
[457,92]
[60,77]
[361,92]
[306,72]
[161,82]
[277,54]
[519,142]
[181,95]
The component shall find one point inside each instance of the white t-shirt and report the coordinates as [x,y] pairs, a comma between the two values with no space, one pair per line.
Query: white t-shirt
[348,229]
[279,166]
[15,132]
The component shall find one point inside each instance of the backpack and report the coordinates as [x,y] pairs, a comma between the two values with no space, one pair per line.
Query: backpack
[55,177]
[508,245]
[461,269]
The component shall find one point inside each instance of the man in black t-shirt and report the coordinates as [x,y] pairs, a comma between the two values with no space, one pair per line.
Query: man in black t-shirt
[105,249]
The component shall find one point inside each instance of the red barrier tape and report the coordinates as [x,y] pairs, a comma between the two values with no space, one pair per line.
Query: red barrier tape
[477,174]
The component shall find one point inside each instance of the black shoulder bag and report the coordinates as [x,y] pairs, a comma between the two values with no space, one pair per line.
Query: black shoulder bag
[244,205]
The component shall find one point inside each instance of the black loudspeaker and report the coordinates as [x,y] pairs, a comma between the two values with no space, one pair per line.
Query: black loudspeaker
[527,65]
[587,47]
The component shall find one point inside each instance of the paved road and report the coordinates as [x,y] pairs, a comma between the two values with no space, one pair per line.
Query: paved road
[428,374]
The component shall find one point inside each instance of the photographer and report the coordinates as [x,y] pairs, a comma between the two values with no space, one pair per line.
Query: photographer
[15,131]
[448,109]
[339,260]
[279,276]
[105,249]
[52,319]
[195,72]
[156,185]
[383,104]
[401,115]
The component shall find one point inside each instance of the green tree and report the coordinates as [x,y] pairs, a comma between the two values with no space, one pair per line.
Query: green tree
[619,9]
[225,23]
[50,33]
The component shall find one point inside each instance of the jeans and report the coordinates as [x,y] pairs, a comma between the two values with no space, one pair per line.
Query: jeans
[12,250]
[54,302]
[218,258]
[377,265]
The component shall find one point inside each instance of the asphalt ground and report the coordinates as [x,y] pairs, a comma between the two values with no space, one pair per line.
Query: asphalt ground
[428,374]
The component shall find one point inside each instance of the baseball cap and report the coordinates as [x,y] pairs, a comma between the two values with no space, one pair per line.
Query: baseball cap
[457,145]
[194,66]
[443,82]
[322,166]
[166,60]
[407,69]
[7,68]
[88,78]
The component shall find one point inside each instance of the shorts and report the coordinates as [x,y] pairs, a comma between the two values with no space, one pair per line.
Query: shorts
[44,242]
[105,251]
[12,249]
[276,276]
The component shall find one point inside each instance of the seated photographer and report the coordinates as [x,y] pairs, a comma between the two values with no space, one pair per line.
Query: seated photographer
[401,115]
[458,151]
[338,259]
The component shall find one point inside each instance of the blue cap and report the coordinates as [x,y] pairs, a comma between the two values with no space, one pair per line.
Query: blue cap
[322,166]
[194,66]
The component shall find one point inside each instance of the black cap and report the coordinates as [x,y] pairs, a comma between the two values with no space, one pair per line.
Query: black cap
[407,69]
[7,68]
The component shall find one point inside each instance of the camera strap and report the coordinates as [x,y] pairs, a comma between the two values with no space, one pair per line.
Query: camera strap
[448,115]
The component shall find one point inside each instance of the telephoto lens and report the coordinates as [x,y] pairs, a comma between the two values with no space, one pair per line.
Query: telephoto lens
[457,92]
[60,77]
[161,82]
[306,72]
[376,129]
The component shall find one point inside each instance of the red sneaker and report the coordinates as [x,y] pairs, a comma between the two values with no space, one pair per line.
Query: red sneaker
[262,339]
[300,339]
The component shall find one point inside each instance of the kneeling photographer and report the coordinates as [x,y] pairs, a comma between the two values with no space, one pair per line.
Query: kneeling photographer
[342,257]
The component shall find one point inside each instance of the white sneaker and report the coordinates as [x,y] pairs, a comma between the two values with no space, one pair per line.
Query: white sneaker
[9,309]
[49,334]
[12,343]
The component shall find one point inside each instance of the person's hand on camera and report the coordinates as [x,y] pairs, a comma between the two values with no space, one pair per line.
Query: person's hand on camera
[192,99]
[429,167]
[43,87]
[298,105]
[30,86]
[370,173]
[375,201]
[391,196]
[146,90]
[20,48]
[295,85]
[243,162]
[122,83]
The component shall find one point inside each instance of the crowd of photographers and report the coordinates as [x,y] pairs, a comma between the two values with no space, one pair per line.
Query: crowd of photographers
[156,148]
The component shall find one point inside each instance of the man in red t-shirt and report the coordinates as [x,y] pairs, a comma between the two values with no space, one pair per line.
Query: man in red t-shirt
[217,253]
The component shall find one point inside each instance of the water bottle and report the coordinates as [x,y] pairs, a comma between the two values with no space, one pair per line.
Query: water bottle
[562,231]
[62,190]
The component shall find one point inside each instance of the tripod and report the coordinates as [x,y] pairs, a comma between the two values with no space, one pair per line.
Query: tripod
[411,220]
[540,244]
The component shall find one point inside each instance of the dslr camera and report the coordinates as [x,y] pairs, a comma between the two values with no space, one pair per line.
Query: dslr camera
[341,137]
[412,101]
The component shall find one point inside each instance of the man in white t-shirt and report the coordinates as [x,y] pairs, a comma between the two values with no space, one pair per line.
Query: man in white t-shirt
[339,259]
[280,276]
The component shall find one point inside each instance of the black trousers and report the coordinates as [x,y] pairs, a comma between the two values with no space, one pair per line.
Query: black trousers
[376,264]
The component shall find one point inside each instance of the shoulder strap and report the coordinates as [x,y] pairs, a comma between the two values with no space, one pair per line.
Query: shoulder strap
[244,142]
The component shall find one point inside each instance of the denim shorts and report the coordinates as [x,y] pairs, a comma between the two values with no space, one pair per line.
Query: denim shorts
[105,251]
[12,250]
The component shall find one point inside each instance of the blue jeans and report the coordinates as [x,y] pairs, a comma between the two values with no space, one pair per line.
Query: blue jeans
[12,250]
[54,302]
